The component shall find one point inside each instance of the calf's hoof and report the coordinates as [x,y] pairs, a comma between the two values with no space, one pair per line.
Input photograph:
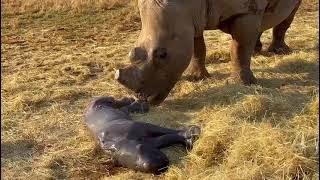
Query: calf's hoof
[192,135]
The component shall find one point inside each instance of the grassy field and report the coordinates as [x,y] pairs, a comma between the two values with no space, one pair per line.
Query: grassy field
[57,55]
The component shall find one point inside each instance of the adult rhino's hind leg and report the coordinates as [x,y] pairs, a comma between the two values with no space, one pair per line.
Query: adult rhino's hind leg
[278,45]
[197,69]
[244,31]
[258,47]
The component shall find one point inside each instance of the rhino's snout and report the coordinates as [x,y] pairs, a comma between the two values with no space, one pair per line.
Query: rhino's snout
[129,77]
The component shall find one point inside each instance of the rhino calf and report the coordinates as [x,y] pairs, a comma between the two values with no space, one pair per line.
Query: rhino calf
[171,40]
[133,144]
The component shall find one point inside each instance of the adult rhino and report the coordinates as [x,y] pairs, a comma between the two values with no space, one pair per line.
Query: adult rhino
[171,39]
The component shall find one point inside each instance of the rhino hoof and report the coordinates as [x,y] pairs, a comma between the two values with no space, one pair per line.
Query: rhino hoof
[197,76]
[244,77]
[280,49]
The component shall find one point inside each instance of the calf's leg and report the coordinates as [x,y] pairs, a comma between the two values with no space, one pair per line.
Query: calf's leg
[166,140]
[141,156]
[169,137]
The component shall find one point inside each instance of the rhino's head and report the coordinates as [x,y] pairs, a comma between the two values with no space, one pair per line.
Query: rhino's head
[163,50]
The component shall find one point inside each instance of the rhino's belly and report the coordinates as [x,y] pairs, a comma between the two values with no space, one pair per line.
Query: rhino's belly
[277,14]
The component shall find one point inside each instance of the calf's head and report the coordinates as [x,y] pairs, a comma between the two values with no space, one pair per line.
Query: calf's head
[162,51]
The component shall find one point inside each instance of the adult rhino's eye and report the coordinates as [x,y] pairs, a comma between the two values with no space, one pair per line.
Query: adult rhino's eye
[160,53]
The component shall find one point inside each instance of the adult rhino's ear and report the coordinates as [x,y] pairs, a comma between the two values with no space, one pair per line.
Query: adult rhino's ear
[137,54]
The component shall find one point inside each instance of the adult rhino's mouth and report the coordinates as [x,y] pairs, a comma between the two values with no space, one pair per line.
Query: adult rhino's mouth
[149,92]
[152,98]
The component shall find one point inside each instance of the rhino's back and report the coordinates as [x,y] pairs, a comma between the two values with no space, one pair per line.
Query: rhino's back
[222,10]
[277,11]
[273,11]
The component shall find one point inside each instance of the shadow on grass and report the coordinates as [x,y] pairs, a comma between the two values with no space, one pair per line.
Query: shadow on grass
[218,76]
[222,96]
[291,72]
[96,164]
[58,168]
[296,66]
[20,149]
[88,164]
[164,116]
[231,95]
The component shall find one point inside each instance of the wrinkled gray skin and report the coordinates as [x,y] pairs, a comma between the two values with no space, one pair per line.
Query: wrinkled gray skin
[171,39]
[133,144]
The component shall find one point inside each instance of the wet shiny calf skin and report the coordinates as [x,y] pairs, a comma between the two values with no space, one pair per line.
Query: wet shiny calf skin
[133,144]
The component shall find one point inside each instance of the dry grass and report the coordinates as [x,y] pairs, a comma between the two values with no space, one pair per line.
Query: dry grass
[22,6]
[53,62]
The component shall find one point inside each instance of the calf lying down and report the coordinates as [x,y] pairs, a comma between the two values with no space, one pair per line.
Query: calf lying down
[133,144]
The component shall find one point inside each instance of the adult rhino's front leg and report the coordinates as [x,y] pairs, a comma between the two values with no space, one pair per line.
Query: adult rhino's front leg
[245,32]
[196,68]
